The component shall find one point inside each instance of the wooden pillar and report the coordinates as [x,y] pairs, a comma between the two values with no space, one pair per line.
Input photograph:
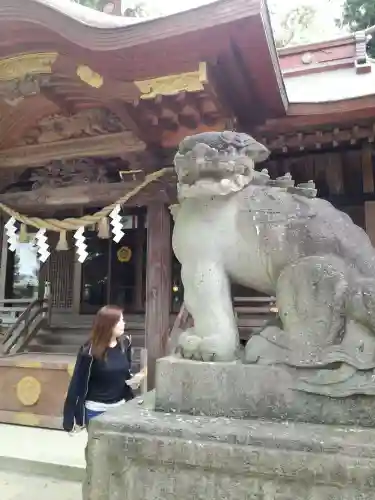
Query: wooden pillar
[77,274]
[158,285]
[139,242]
[367,169]
[77,279]
[3,259]
[370,220]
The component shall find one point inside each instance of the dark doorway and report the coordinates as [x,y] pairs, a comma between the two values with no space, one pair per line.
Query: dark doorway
[113,273]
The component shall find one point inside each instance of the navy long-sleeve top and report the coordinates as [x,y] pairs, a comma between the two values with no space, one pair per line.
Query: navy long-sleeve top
[98,380]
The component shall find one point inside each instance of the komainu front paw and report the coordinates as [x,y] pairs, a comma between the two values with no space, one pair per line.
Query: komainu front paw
[211,348]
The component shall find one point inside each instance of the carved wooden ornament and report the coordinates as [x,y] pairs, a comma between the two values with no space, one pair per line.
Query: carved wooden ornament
[17,67]
[193,81]
[87,75]
[28,391]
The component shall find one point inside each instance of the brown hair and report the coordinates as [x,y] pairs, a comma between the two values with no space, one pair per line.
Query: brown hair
[105,321]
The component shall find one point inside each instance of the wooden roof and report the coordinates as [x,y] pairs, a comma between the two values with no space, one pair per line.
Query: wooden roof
[161,78]
[330,87]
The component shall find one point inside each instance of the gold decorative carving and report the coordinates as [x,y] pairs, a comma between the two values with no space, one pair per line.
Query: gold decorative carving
[87,75]
[17,67]
[28,391]
[86,123]
[193,81]
[124,254]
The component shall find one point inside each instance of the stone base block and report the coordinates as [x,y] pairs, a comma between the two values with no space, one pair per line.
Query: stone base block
[251,391]
[140,454]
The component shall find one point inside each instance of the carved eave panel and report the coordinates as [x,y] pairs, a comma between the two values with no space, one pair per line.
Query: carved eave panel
[104,59]
[34,85]
[119,144]
[85,123]
[63,185]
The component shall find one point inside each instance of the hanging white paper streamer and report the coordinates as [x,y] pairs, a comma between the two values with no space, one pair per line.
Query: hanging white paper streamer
[116,224]
[11,232]
[41,243]
[80,244]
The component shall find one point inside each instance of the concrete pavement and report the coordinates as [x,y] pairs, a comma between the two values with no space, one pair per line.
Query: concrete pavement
[15,486]
[51,453]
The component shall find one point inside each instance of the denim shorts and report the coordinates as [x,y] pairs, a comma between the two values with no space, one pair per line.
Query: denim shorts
[90,414]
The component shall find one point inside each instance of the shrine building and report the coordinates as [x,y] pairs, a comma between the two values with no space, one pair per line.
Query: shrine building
[92,108]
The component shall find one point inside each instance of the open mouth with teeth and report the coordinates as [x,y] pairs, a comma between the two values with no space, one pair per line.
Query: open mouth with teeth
[216,163]
[212,171]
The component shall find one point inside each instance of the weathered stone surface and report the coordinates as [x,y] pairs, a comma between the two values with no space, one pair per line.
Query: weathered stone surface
[139,454]
[251,391]
[236,225]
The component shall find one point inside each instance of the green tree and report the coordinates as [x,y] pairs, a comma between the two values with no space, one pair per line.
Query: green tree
[93,4]
[294,27]
[359,15]
[304,21]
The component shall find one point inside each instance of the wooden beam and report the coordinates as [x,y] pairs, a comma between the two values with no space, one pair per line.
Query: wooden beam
[334,173]
[88,147]
[48,202]
[370,220]
[367,170]
[158,285]
[305,121]
[125,113]
[334,107]
[172,139]
[65,107]
[3,257]
[315,139]
[66,69]
[140,235]
[98,194]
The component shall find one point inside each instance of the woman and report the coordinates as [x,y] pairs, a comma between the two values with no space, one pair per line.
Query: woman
[102,368]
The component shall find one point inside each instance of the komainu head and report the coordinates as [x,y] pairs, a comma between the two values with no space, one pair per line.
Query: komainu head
[216,163]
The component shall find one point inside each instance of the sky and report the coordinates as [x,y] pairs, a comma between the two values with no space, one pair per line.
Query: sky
[173,6]
[328,7]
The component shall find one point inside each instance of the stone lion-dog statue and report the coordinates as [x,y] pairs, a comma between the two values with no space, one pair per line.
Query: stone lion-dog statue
[234,224]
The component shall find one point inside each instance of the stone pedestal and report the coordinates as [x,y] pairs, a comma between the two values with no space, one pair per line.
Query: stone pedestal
[138,453]
[251,391]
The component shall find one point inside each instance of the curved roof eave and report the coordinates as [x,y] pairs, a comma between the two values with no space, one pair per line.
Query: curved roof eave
[199,34]
[98,31]
[330,86]
[87,16]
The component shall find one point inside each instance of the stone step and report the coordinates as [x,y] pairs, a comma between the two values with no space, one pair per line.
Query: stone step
[69,320]
[69,331]
[72,350]
[79,337]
